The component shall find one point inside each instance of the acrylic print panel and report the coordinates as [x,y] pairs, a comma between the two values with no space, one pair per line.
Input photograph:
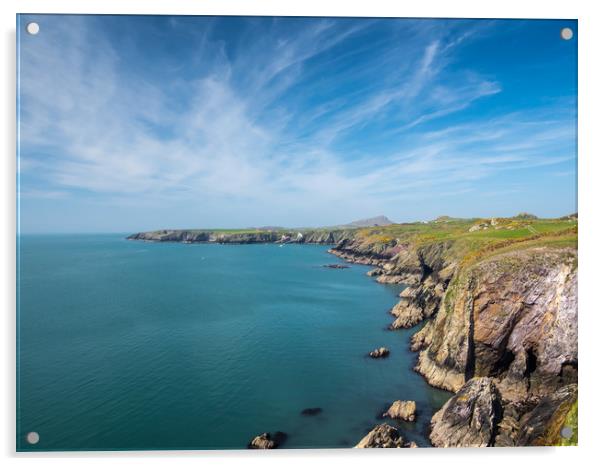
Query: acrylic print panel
[192,273]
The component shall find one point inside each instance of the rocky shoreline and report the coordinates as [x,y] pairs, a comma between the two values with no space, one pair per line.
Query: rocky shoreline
[500,331]
[501,334]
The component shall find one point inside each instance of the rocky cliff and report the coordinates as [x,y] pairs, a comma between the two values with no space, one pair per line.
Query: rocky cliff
[501,334]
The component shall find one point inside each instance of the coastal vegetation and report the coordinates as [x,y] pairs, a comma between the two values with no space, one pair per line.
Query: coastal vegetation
[468,235]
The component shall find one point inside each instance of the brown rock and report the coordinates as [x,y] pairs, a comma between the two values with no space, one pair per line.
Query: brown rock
[381,352]
[405,410]
[384,436]
[469,418]
[262,442]
[266,441]
[409,292]
[407,315]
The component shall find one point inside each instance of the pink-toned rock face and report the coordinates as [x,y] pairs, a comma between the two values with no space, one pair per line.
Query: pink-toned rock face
[514,317]
[525,321]
[505,335]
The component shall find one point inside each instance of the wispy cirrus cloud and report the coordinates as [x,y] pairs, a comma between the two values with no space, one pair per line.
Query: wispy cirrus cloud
[266,115]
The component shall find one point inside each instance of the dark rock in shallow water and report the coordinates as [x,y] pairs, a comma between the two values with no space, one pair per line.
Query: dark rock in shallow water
[381,352]
[267,441]
[280,437]
[311,411]
[336,266]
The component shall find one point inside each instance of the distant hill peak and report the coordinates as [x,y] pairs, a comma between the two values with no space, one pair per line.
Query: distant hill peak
[525,216]
[379,221]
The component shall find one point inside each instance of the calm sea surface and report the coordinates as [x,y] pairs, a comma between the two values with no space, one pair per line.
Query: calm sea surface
[132,345]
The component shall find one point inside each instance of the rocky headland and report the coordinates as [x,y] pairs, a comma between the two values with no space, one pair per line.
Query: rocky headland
[501,330]
[302,236]
[499,297]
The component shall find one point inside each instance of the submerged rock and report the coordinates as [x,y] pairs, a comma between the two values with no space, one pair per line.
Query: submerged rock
[381,352]
[470,418]
[266,441]
[405,410]
[336,266]
[311,411]
[384,436]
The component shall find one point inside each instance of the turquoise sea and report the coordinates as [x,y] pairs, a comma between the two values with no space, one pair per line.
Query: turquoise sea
[128,345]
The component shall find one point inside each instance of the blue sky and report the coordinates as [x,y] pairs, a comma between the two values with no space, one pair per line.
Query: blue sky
[135,123]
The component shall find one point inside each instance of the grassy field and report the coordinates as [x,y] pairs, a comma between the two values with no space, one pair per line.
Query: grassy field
[229,231]
[475,239]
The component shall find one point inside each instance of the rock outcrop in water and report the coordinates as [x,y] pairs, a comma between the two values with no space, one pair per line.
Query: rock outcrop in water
[384,436]
[381,352]
[267,441]
[404,410]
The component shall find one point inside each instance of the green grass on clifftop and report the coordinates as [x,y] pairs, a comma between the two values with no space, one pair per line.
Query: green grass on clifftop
[476,238]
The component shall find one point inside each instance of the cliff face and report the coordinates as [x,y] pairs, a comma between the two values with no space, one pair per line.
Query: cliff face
[471,419]
[502,334]
[512,317]
[193,236]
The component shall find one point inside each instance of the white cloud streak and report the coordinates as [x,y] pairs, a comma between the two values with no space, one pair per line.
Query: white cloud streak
[228,135]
